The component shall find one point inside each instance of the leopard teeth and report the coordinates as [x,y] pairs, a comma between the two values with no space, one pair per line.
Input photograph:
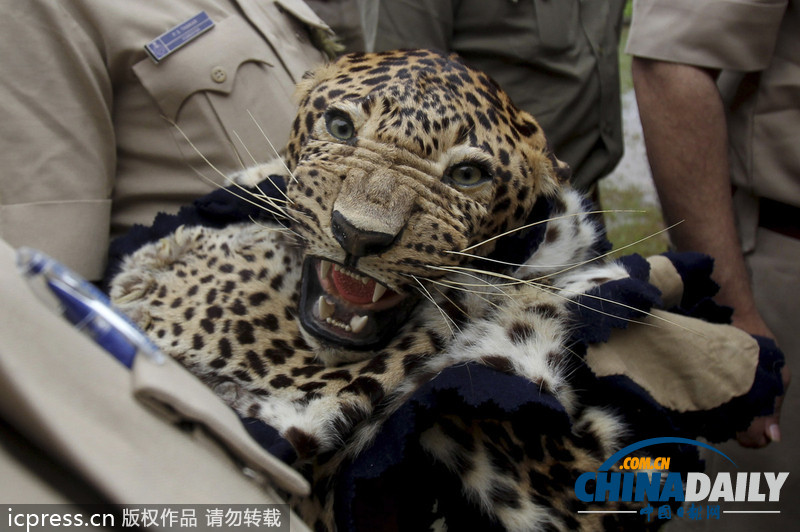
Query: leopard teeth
[349,273]
[324,268]
[324,308]
[337,323]
[357,323]
[378,293]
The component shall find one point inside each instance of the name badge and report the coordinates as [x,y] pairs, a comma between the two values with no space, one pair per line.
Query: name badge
[180,35]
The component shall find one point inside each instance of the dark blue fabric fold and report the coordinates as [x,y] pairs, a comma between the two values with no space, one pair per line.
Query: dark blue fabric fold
[612,304]
[270,439]
[698,288]
[470,393]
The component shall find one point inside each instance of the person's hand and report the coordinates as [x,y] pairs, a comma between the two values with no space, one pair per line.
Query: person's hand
[763,430]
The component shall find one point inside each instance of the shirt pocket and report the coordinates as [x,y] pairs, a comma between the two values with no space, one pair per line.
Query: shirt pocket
[224,91]
[208,64]
[557,23]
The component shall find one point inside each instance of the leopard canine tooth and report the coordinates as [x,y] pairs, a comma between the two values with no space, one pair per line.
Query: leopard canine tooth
[324,308]
[378,293]
[324,268]
[357,323]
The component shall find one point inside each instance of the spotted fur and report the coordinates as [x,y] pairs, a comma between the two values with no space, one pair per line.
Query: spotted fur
[403,168]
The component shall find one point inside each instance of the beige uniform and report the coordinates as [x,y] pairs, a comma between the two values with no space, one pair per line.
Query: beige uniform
[77,427]
[89,142]
[756,45]
[89,146]
[556,59]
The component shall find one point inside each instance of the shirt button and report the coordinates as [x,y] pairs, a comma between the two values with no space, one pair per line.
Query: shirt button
[218,74]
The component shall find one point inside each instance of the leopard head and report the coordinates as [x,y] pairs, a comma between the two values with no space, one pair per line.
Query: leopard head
[400,162]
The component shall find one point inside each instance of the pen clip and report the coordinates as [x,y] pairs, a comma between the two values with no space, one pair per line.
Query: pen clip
[88,308]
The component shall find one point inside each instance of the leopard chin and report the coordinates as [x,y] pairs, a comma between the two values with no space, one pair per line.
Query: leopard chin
[343,308]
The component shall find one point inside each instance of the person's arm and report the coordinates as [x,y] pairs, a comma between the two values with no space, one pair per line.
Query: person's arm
[685,131]
[684,125]
[57,145]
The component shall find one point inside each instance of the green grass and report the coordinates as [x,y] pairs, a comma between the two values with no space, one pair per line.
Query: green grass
[626,82]
[625,78]
[628,9]
[643,225]
[646,223]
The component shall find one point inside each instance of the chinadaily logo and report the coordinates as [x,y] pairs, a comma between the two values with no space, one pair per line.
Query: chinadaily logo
[666,494]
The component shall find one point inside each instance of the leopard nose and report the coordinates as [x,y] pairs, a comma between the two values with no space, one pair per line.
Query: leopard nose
[358,242]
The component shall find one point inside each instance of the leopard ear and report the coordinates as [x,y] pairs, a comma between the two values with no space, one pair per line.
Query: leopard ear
[561,170]
[311,79]
[549,172]
[304,86]
[527,127]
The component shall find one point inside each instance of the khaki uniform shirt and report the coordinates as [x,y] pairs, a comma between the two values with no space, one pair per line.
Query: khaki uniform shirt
[88,140]
[756,44]
[556,59]
[343,18]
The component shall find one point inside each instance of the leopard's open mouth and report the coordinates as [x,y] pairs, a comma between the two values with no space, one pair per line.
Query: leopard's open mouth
[345,307]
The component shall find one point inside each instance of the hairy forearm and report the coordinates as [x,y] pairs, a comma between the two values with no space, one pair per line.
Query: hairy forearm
[683,119]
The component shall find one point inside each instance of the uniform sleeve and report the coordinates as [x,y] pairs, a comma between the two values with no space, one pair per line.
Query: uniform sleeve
[720,34]
[57,147]
[396,24]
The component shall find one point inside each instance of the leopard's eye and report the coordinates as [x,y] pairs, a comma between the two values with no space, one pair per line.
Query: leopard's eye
[468,174]
[340,126]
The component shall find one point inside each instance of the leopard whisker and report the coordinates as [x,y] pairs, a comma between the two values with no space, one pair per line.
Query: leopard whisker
[572,367]
[512,264]
[279,210]
[286,200]
[447,319]
[463,288]
[305,216]
[569,266]
[246,149]
[481,282]
[261,195]
[555,291]
[282,229]
[540,222]
[265,197]
[266,137]
[612,252]
[444,295]
[475,293]
[205,159]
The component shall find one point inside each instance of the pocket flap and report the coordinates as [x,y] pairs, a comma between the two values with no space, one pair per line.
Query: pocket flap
[169,388]
[210,63]
[303,13]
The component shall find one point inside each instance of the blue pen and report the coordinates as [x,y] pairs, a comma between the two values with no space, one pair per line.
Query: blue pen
[88,308]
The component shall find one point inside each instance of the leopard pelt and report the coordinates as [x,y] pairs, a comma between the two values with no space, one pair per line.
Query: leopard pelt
[395,254]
